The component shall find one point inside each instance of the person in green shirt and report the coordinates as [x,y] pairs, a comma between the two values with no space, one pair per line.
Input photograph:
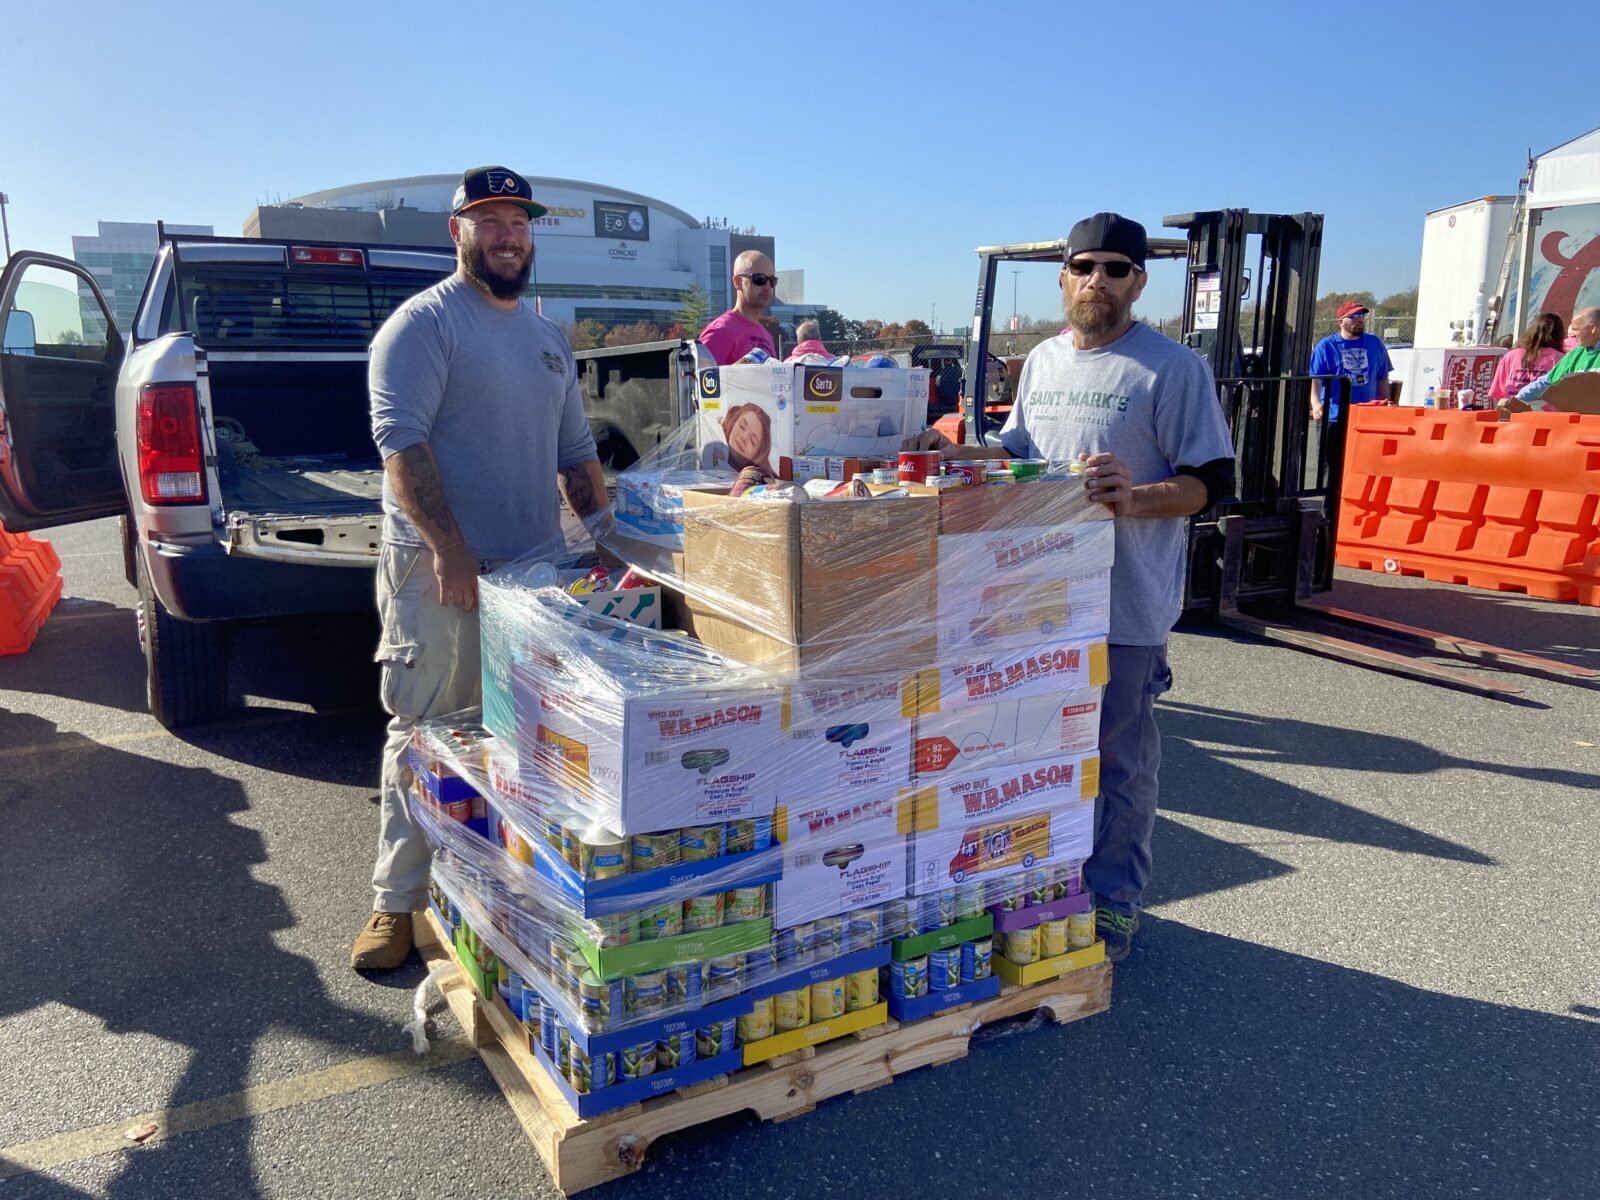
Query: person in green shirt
[1585,356]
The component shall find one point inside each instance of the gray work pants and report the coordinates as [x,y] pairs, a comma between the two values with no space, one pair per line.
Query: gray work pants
[428,655]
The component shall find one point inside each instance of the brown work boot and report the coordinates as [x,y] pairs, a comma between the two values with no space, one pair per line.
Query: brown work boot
[384,944]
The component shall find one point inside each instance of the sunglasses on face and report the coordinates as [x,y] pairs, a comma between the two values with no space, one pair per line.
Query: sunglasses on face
[1113,270]
[761,280]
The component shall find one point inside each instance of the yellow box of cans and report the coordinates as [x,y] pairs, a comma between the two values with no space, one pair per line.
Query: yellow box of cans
[811,1035]
[1048,968]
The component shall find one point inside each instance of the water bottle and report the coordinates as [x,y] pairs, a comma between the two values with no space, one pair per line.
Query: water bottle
[1430,399]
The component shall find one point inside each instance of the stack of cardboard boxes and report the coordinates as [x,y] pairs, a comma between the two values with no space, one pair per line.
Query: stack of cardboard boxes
[866,772]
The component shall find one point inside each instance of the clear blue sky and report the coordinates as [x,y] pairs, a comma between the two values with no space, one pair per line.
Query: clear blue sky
[879,143]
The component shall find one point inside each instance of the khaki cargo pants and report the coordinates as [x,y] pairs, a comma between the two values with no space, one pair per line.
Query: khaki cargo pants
[428,655]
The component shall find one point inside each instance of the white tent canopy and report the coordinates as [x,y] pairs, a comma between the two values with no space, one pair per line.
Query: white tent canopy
[1569,174]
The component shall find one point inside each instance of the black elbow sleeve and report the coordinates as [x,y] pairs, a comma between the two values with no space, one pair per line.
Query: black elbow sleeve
[1217,475]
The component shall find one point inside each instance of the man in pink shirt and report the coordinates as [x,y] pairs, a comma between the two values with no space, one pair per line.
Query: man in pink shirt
[739,330]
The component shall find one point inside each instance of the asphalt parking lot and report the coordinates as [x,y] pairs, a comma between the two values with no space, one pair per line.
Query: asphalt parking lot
[1371,966]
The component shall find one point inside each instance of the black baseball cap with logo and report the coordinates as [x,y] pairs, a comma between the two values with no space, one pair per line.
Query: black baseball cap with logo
[488,185]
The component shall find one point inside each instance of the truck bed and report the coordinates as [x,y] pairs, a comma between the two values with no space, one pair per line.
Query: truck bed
[289,487]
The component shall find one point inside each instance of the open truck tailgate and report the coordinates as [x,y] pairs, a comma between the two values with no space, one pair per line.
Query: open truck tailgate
[330,515]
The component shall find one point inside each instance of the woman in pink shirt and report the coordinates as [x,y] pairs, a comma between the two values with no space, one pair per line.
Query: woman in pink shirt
[1539,350]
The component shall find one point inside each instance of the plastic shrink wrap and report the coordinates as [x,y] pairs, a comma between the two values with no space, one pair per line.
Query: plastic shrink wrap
[858,721]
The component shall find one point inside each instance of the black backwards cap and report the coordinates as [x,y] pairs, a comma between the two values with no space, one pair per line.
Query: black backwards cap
[1111,232]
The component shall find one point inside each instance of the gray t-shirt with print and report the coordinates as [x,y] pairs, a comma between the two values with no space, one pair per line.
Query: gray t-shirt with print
[1150,401]
[494,392]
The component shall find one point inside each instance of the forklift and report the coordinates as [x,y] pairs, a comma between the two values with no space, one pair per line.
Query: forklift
[1256,560]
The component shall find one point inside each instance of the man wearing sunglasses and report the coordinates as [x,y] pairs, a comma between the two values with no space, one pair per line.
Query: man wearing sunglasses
[739,330]
[1140,413]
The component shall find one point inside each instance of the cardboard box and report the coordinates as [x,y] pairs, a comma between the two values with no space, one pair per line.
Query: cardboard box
[840,855]
[999,844]
[640,606]
[1048,968]
[976,737]
[858,411]
[786,585]
[805,467]
[915,1008]
[815,1033]
[1012,674]
[969,930]
[648,506]
[847,740]
[994,506]
[745,416]
[1003,821]
[644,762]
[1021,584]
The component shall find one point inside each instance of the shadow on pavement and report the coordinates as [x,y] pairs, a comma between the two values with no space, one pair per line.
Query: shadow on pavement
[1223,1070]
[89,651]
[1570,633]
[134,901]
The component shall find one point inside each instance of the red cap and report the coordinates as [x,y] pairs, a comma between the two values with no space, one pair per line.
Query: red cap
[1351,309]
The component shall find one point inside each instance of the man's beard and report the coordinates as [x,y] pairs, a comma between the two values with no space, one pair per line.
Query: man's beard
[475,263]
[1096,319]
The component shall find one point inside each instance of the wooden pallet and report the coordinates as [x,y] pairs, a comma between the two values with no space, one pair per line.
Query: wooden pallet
[581,1154]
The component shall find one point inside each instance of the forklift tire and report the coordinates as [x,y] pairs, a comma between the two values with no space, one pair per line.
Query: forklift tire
[186,663]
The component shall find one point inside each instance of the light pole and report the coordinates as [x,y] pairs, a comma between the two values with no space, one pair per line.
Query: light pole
[1014,275]
[4,224]
[933,318]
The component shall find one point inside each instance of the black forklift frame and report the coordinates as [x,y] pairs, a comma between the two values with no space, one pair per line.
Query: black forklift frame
[1271,544]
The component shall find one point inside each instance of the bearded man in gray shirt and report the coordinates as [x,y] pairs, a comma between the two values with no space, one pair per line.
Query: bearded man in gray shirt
[1140,412]
[477,412]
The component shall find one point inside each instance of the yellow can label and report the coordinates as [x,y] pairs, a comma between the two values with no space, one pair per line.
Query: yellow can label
[863,989]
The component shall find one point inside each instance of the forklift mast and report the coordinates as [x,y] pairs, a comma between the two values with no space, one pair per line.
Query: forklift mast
[1250,294]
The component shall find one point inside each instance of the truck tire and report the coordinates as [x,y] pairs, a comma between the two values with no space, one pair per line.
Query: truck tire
[186,663]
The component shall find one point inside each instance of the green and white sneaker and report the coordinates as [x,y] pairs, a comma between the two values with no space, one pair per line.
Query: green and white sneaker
[1116,930]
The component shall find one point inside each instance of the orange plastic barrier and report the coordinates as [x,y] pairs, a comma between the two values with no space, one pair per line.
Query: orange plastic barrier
[1462,497]
[30,585]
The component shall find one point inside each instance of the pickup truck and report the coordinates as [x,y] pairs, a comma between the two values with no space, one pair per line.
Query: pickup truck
[229,427]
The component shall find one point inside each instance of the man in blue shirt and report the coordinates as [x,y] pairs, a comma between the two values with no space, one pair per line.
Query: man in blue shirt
[1352,352]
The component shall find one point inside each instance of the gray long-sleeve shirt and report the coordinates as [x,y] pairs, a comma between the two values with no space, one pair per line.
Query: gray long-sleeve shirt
[495,394]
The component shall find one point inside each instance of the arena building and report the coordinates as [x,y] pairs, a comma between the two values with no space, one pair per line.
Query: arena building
[602,253]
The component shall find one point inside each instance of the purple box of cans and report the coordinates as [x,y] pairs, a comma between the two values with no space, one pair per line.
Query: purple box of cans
[1023,918]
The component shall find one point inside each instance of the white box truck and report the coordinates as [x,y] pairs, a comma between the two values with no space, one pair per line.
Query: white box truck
[1461,251]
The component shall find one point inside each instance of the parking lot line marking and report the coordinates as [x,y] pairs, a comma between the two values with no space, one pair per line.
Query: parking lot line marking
[26,1158]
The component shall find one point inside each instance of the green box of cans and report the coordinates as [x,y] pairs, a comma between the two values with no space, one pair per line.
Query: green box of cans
[470,964]
[656,954]
[942,939]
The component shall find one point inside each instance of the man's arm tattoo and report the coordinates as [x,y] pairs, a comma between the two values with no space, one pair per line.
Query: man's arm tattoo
[414,475]
[578,483]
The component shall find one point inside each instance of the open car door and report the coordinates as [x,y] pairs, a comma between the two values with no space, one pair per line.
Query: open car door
[58,382]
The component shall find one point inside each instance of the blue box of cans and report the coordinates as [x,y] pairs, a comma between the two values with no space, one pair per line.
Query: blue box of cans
[661,1028]
[914,1008]
[623,893]
[614,1093]
[837,967]
[451,792]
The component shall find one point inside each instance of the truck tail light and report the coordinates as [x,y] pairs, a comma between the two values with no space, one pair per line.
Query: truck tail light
[171,464]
